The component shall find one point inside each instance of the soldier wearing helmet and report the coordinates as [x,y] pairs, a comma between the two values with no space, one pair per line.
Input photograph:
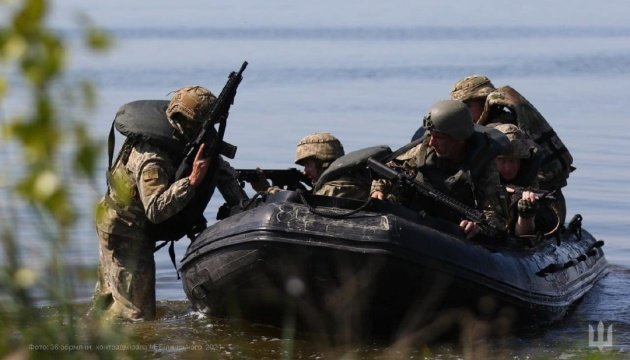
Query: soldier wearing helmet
[315,152]
[189,108]
[472,91]
[507,106]
[517,169]
[455,159]
[141,192]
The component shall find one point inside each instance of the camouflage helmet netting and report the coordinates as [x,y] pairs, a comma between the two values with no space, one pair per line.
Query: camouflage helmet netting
[322,146]
[522,145]
[471,87]
[192,102]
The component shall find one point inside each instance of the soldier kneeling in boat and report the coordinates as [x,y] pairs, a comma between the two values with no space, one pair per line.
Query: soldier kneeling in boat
[507,106]
[530,209]
[455,159]
[316,152]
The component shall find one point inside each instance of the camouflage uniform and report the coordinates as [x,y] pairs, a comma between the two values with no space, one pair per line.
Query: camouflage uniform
[528,152]
[352,187]
[141,190]
[421,160]
[506,105]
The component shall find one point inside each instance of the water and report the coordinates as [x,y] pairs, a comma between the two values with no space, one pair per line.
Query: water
[367,73]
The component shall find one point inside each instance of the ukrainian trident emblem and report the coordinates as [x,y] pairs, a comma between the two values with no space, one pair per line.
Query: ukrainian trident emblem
[603,339]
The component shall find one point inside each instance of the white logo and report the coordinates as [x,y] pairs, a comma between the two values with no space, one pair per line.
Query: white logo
[603,340]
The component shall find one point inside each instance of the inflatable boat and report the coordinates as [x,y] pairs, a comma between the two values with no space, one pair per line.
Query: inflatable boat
[329,263]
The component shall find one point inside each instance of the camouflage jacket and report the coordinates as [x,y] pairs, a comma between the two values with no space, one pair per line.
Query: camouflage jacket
[485,190]
[346,187]
[143,189]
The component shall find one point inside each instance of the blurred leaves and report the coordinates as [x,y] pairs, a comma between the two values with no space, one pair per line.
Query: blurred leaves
[48,136]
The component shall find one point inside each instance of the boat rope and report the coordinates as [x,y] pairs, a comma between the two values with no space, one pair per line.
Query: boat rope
[532,240]
[251,201]
[330,214]
[555,267]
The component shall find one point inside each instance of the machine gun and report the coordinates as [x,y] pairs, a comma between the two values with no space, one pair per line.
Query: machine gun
[487,227]
[289,179]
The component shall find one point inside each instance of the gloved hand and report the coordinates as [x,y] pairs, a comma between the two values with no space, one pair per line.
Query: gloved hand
[527,208]
[260,183]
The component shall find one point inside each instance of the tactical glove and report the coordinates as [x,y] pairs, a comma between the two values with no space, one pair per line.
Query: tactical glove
[527,209]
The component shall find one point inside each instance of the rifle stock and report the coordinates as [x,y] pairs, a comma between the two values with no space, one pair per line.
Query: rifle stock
[487,227]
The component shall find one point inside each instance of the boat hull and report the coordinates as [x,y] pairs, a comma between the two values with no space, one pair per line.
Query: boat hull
[381,270]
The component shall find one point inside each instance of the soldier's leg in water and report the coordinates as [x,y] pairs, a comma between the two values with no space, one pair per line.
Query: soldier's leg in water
[126,285]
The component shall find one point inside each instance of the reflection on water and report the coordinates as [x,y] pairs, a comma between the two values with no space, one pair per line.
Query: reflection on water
[180,332]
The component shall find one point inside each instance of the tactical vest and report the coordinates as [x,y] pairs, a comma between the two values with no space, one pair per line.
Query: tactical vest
[459,182]
[556,163]
[146,121]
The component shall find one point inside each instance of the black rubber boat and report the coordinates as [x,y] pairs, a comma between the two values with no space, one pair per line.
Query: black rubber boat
[378,269]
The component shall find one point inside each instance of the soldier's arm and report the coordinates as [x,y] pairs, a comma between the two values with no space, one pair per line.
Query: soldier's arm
[381,188]
[160,198]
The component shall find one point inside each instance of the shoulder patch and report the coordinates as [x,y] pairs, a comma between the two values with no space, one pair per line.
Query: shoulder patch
[150,174]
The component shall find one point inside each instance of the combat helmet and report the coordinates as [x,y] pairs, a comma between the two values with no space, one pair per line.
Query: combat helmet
[522,147]
[471,87]
[322,146]
[189,104]
[451,117]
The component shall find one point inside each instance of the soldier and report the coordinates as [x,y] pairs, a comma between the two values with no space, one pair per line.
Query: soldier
[518,169]
[454,159]
[506,105]
[142,190]
[316,152]
[473,91]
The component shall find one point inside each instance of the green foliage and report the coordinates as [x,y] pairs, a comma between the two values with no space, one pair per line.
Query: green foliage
[33,57]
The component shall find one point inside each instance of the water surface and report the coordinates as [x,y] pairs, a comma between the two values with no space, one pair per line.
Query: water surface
[368,80]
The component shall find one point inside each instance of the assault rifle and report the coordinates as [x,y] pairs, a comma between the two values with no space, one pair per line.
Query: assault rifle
[208,134]
[487,227]
[190,220]
[290,179]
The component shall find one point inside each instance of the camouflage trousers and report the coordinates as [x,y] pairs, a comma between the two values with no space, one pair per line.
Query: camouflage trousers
[126,277]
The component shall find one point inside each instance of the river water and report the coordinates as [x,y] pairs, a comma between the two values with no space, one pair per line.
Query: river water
[367,71]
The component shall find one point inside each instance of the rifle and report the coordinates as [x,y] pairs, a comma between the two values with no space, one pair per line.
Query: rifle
[208,134]
[190,220]
[290,179]
[487,227]
[538,193]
